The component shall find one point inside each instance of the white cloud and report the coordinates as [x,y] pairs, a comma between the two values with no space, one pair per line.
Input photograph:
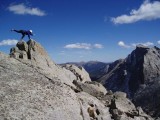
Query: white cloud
[86,46]
[147,11]
[21,9]
[8,42]
[79,46]
[147,44]
[158,42]
[98,46]
[122,44]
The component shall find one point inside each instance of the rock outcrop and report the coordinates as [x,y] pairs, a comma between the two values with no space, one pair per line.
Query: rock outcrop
[139,70]
[92,88]
[95,69]
[78,71]
[33,87]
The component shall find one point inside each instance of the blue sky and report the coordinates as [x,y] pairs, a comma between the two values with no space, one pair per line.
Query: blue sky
[82,30]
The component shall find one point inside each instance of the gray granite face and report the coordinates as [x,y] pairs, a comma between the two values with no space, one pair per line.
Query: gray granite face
[140,70]
[34,87]
[141,67]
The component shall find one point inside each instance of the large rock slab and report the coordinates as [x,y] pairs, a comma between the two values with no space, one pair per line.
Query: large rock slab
[92,108]
[124,105]
[123,109]
[78,71]
[29,95]
[92,88]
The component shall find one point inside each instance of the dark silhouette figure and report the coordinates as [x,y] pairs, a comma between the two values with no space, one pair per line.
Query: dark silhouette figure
[24,32]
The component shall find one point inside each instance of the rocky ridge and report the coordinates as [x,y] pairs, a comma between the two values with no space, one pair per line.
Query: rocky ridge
[141,67]
[138,76]
[95,69]
[33,87]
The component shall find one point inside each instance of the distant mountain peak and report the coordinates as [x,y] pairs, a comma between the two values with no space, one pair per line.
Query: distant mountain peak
[140,68]
[142,46]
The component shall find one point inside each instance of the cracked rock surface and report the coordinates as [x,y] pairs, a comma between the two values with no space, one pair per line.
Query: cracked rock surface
[33,87]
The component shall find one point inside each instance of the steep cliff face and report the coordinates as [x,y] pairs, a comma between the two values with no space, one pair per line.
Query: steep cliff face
[148,97]
[138,76]
[33,87]
[139,68]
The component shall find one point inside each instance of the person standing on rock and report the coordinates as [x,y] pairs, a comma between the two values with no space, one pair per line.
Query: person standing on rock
[24,32]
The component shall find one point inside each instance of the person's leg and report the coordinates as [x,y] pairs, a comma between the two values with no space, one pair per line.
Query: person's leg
[22,36]
[18,31]
[29,37]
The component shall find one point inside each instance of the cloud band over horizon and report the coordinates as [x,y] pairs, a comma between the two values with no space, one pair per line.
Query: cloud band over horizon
[133,45]
[8,42]
[86,46]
